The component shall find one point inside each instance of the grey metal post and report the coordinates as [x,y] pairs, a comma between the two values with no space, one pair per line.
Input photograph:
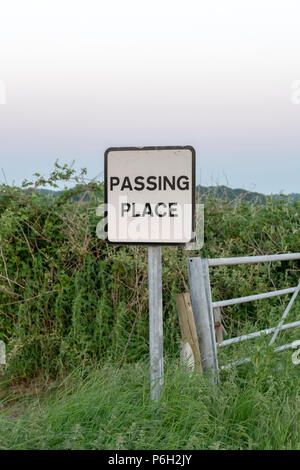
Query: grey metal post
[211,316]
[2,353]
[201,312]
[155,322]
[285,314]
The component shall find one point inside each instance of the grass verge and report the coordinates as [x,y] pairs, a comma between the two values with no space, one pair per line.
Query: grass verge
[254,407]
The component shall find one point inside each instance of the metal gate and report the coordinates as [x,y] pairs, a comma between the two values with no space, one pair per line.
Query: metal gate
[207,313]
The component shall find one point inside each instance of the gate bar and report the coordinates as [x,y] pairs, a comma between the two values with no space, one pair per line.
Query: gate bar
[267,331]
[285,314]
[249,298]
[252,259]
[248,359]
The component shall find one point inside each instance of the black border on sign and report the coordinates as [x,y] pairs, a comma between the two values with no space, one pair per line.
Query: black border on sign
[169,147]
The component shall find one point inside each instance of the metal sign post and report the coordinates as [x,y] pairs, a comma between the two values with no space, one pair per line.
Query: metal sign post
[155,322]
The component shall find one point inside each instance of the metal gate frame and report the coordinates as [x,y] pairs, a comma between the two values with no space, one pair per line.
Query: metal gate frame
[207,313]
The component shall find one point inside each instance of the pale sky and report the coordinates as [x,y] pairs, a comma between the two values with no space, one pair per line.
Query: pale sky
[81,76]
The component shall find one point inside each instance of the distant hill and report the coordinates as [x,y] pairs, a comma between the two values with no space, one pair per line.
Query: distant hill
[293,196]
[75,197]
[222,192]
[229,194]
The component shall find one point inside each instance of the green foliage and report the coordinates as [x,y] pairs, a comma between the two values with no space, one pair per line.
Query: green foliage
[67,298]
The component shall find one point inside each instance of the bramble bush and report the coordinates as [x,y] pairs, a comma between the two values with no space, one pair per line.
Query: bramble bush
[68,298]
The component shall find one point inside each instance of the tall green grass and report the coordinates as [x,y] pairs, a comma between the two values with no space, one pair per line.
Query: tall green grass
[253,408]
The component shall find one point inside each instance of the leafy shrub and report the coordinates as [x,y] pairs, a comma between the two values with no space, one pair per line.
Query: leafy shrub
[67,298]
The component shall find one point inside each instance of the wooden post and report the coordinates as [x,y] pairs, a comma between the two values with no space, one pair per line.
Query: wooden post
[218,325]
[155,322]
[202,315]
[188,331]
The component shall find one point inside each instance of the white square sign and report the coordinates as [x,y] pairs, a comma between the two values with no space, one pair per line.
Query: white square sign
[150,195]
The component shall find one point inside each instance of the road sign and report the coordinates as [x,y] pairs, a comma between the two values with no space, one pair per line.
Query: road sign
[150,200]
[150,195]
